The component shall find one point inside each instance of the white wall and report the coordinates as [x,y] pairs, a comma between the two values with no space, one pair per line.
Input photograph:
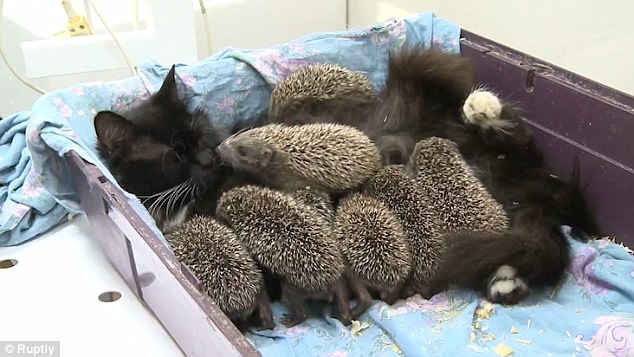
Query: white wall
[235,23]
[593,38]
[264,23]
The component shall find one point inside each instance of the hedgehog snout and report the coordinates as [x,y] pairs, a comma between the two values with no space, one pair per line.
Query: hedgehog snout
[224,150]
[230,149]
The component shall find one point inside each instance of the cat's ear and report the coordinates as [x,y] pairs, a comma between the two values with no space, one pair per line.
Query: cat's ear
[168,92]
[113,130]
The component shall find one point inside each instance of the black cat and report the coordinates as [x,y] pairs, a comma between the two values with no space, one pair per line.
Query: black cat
[432,94]
[164,154]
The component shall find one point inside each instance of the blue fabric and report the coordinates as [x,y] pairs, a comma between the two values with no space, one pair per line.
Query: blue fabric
[590,313]
[27,208]
[233,85]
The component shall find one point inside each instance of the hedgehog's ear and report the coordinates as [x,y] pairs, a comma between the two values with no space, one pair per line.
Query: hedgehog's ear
[268,156]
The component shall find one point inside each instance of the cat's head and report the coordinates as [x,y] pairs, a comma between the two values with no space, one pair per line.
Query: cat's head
[161,152]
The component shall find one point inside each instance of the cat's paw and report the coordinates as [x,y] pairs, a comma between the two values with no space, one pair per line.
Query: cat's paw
[482,108]
[506,287]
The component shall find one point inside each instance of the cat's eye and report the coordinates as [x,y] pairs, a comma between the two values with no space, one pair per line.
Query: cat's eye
[171,157]
[179,157]
[180,147]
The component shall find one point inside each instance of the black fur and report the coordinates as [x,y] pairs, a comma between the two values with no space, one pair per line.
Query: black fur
[423,98]
[158,145]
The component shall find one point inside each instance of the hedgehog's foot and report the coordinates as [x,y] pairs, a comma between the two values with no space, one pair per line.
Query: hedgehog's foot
[391,295]
[294,299]
[343,302]
[241,325]
[436,287]
[294,318]
[425,292]
[364,299]
[407,291]
[264,312]
[297,314]
[412,288]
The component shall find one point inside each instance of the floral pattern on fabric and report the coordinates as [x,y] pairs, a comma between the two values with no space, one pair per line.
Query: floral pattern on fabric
[615,336]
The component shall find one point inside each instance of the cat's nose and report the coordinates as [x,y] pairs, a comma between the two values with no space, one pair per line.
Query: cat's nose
[205,158]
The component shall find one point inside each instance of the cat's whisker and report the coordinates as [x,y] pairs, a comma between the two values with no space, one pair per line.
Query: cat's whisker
[175,198]
[146,197]
[163,158]
[190,194]
[153,212]
[159,193]
[196,192]
[192,123]
[162,199]
[199,114]
[158,203]
[186,194]
[168,204]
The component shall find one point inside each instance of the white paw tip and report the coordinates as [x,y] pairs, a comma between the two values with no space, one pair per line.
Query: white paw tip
[505,272]
[481,105]
[505,282]
[505,287]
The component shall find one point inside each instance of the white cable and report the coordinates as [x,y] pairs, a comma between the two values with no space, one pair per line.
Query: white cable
[203,10]
[114,38]
[135,15]
[347,15]
[88,14]
[8,63]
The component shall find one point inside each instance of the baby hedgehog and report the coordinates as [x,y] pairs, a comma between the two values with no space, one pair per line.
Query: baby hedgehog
[290,240]
[322,92]
[375,246]
[329,157]
[218,259]
[319,200]
[462,202]
[406,199]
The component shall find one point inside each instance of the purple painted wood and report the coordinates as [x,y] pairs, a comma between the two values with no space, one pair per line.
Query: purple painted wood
[150,269]
[570,116]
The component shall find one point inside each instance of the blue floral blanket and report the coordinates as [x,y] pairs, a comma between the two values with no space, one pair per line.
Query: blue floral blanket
[590,313]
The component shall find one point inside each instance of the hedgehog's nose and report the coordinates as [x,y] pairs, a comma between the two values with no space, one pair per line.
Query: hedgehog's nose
[221,150]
